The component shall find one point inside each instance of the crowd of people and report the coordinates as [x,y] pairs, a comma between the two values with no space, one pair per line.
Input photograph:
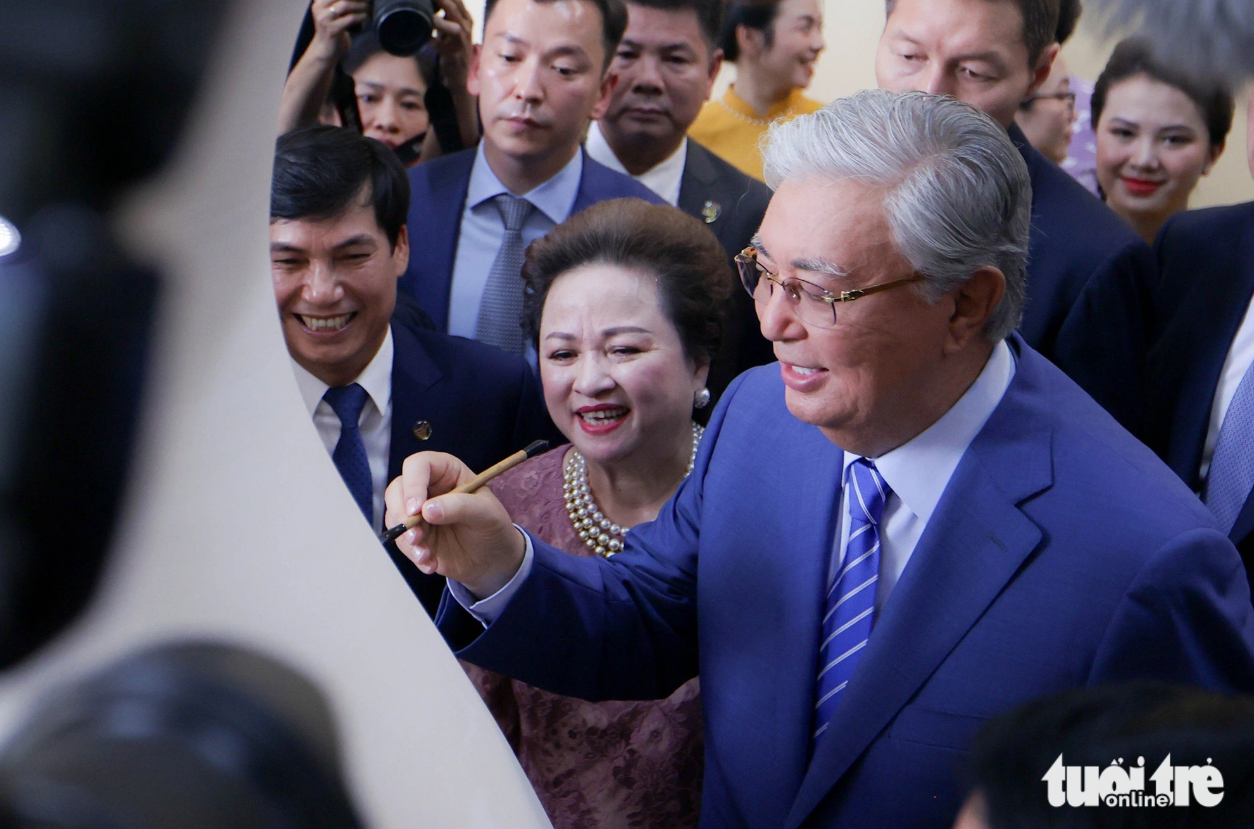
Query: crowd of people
[745,594]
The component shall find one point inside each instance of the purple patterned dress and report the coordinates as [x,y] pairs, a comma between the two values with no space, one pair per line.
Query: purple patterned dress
[594,765]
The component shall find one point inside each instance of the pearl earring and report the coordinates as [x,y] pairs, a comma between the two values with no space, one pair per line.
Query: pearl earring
[701,399]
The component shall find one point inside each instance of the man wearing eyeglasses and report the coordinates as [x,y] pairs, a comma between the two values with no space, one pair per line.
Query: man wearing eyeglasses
[1048,116]
[912,523]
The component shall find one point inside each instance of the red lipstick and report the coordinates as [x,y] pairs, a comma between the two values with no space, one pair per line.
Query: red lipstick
[1140,186]
[594,425]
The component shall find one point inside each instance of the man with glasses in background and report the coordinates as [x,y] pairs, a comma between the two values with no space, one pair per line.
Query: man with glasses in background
[1048,116]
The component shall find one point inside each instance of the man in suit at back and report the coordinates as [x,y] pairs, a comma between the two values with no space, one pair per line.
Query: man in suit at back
[911,524]
[1199,413]
[541,72]
[666,65]
[377,387]
[1089,274]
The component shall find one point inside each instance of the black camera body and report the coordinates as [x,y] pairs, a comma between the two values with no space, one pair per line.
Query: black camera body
[403,26]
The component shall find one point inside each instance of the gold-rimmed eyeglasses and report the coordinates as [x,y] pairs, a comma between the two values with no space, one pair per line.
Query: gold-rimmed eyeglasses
[1067,98]
[812,304]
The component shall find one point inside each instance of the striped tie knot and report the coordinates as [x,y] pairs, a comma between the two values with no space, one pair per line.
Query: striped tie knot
[869,492]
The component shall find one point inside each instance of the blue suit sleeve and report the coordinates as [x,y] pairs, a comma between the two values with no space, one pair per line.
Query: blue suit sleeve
[1185,619]
[622,628]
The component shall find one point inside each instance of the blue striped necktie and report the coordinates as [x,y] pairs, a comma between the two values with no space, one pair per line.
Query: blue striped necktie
[1231,475]
[850,605]
[350,450]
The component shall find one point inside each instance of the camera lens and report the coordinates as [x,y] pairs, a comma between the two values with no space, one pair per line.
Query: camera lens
[403,26]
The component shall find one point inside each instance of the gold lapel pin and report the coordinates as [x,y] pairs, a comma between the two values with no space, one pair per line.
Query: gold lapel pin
[422,430]
[710,211]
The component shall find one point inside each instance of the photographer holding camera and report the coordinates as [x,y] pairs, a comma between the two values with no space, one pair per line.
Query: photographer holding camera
[398,91]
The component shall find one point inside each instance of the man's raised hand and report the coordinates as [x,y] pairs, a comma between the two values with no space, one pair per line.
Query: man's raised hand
[466,537]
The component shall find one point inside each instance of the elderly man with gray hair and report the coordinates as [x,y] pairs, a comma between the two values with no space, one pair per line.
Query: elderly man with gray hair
[910,524]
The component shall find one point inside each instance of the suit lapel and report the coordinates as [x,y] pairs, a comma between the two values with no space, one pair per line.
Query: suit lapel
[1202,332]
[698,178]
[781,757]
[1245,521]
[413,375]
[435,247]
[1243,274]
[974,544]
[702,191]
[785,559]
[589,192]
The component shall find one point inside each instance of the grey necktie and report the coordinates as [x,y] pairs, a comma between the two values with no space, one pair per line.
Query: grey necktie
[500,309]
[1231,475]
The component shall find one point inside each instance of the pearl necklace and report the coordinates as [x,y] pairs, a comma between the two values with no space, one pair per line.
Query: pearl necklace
[603,537]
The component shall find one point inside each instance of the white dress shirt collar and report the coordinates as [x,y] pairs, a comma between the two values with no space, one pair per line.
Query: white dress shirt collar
[375,378]
[555,198]
[375,422]
[919,470]
[665,178]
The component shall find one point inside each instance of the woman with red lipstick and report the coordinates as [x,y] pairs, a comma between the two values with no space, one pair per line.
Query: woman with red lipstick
[1158,131]
[623,305]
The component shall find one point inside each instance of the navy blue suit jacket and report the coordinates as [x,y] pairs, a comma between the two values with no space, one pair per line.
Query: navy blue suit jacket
[481,405]
[1207,264]
[732,205]
[1062,554]
[437,198]
[1089,281]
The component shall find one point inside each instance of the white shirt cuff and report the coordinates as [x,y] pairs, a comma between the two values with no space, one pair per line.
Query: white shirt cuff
[489,610]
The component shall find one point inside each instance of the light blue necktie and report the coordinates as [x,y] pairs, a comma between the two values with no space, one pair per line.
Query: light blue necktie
[350,451]
[1231,476]
[501,308]
[850,606]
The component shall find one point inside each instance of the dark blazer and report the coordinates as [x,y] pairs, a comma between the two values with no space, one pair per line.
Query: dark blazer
[732,204]
[437,198]
[1062,554]
[1207,264]
[1089,280]
[479,403]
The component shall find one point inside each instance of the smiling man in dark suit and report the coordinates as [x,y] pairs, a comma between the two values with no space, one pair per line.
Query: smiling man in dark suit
[1199,413]
[338,243]
[666,65]
[1089,274]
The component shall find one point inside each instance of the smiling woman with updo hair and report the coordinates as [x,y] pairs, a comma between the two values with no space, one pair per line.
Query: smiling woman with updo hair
[624,307]
[1158,132]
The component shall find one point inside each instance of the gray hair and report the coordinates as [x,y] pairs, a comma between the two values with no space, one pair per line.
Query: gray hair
[957,194]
